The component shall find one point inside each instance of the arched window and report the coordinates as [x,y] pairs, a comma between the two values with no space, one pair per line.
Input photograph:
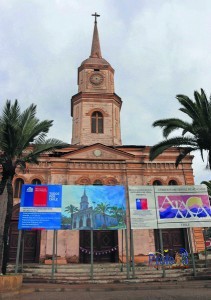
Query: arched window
[97,122]
[173,182]
[157,182]
[18,185]
[36,181]
[97,182]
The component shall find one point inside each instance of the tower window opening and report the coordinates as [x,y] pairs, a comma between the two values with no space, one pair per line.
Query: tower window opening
[96,69]
[97,122]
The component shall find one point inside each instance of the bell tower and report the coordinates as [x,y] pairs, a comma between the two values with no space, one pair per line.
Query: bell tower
[95,109]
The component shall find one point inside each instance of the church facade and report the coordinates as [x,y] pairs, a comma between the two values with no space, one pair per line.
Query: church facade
[96,156]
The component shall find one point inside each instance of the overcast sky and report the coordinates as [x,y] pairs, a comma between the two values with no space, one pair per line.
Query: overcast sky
[158,48]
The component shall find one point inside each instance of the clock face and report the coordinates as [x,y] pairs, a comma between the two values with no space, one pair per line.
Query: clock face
[96,78]
[97,152]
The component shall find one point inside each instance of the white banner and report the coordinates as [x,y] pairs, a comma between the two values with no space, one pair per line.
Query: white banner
[142,207]
[182,206]
[153,207]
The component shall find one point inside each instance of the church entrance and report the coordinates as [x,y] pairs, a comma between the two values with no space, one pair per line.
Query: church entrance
[104,246]
[173,240]
[31,240]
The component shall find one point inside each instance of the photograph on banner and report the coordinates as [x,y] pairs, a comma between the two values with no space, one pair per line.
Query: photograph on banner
[183,206]
[93,207]
[40,207]
[142,207]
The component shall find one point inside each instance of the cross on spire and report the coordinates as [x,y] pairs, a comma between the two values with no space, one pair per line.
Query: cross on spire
[96,16]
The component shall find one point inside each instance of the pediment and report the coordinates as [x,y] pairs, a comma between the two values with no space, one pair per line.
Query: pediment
[98,152]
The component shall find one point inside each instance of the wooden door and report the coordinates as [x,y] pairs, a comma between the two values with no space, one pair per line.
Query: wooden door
[31,240]
[173,240]
[104,246]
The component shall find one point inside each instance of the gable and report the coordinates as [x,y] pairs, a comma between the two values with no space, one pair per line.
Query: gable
[99,152]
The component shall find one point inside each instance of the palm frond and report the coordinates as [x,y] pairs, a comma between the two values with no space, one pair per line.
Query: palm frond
[159,148]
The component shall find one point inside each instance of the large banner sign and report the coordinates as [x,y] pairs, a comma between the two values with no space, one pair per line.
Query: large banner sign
[97,207]
[142,207]
[183,206]
[40,207]
[169,207]
[73,207]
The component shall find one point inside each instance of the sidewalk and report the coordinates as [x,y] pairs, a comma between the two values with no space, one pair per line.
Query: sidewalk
[31,289]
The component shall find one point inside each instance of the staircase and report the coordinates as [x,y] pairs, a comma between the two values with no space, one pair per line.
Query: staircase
[105,273]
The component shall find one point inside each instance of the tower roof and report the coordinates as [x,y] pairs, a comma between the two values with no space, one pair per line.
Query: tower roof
[95,51]
[95,57]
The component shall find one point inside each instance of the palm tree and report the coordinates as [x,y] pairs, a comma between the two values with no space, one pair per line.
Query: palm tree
[71,209]
[115,212]
[208,184]
[196,134]
[102,208]
[18,130]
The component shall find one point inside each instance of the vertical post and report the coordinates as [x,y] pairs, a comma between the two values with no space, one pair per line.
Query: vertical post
[92,267]
[22,251]
[191,250]
[132,253]
[53,255]
[122,249]
[161,247]
[127,260]
[56,250]
[18,251]
[205,247]
[128,225]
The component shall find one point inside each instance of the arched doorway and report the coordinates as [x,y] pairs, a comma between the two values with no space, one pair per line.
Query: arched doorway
[31,240]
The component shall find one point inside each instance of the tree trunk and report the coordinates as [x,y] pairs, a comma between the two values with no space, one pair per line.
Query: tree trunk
[3,205]
[7,225]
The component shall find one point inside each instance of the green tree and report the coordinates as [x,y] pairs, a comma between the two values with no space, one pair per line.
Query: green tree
[207,232]
[103,208]
[208,184]
[195,134]
[71,209]
[115,212]
[22,140]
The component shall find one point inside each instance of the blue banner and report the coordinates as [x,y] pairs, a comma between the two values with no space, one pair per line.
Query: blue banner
[40,207]
[73,207]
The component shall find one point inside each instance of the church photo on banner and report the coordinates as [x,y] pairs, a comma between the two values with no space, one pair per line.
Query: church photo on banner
[72,207]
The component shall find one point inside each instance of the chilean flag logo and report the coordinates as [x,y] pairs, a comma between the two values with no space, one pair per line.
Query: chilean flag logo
[141,204]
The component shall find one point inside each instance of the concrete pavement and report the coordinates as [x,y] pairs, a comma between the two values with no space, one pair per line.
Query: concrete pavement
[188,290]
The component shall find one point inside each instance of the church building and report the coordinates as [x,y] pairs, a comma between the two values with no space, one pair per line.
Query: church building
[96,156]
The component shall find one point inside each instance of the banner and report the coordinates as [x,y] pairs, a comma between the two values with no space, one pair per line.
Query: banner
[182,206]
[97,207]
[169,207]
[142,207]
[40,207]
[74,207]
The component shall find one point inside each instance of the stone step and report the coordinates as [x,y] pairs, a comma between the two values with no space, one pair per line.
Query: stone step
[105,273]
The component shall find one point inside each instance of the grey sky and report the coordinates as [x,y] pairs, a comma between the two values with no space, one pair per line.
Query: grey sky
[157,48]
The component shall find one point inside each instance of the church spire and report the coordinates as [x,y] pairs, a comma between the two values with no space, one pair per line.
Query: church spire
[95,51]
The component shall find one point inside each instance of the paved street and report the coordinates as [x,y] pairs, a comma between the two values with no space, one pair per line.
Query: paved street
[132,291]
[186,294]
